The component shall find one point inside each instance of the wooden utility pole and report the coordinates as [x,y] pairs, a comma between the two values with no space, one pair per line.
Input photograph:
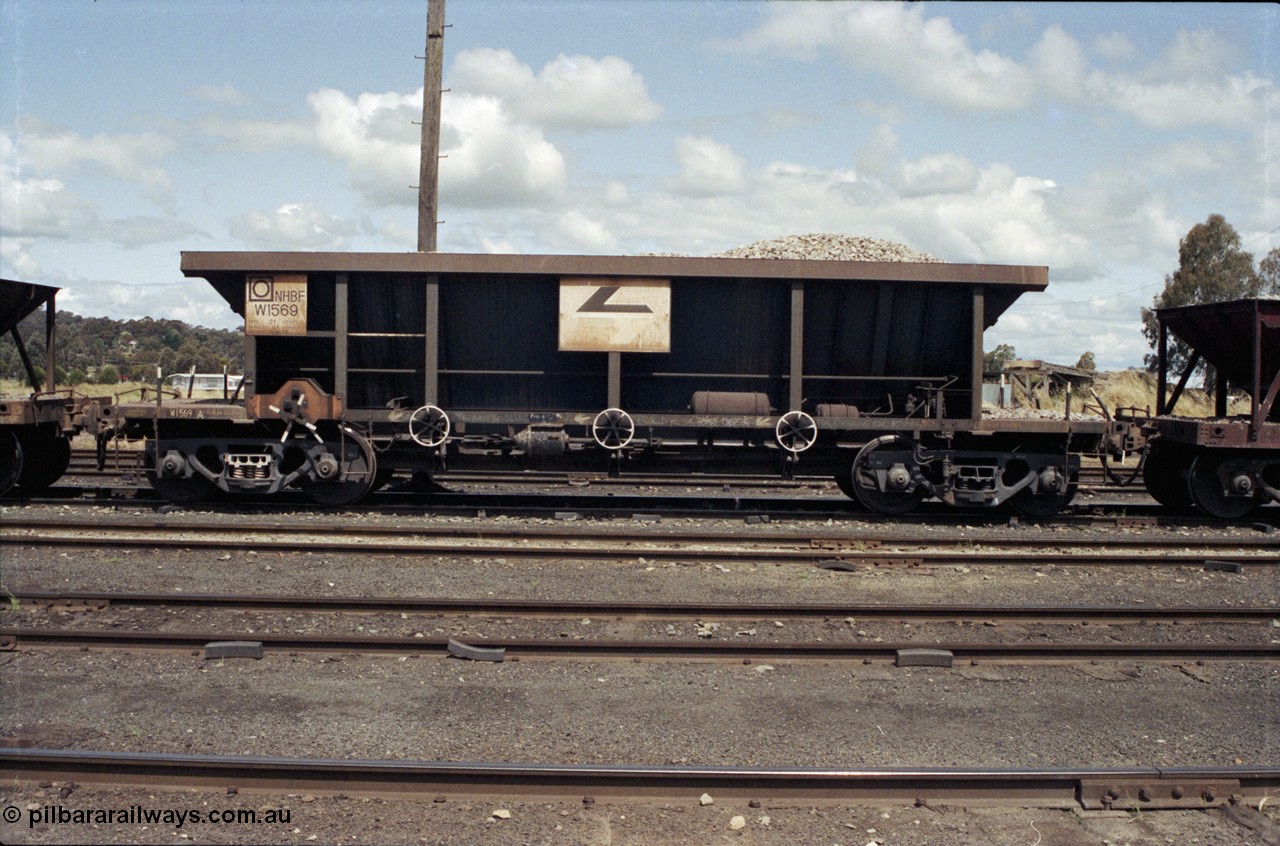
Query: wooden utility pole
[429,167]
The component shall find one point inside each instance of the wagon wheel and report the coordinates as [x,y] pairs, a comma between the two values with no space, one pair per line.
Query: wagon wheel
[796,431]
[1209,484]
[865,479]
[1164,475]
[613,428]
[10,461]
[353,478]
[45,460]
[429,426]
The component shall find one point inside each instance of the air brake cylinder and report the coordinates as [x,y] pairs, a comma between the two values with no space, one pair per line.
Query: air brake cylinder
[730,403]
[542,440]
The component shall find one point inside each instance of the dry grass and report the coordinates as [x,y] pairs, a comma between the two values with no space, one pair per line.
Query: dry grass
[1137,389]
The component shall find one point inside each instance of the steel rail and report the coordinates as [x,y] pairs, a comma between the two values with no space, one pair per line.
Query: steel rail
[599,552]
[1165,787]
[16,638]
[842,540]
[98,600]
[570,545]
[608,505]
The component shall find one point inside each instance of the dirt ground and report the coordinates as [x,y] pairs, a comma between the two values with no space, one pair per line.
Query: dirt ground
[803,714]
[342,820]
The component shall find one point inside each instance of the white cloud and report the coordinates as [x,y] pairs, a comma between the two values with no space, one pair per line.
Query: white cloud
[374,134]
[944,204]
[130,158]
[1120,213]
[15,254]
[294,226]
[1059,331]
[1059,64]
[493,160]
[573,92]
[1186,86]
[946,173]
[580,233]
[39,207]
[708,168]
[1235,101]
[1003,218]
[493,154]
[1115,47]
[1194,55]
[44,207]
[616,194]
[801,30]
[943,68]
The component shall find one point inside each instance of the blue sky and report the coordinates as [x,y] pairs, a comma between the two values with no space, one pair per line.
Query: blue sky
[1086,137]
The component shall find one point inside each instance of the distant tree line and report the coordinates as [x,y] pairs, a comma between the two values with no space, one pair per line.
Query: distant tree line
[102,350]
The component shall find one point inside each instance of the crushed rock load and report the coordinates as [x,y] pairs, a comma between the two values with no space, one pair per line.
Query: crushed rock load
[1038,413]
[828,247]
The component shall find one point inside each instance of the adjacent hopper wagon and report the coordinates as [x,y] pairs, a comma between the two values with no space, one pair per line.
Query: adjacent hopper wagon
[1225,466]
[36,428]
[363,365]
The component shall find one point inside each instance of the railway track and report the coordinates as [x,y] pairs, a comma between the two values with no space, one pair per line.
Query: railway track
[688,503]
[905,653]
[583,542]
[76,601]
[1131,788]
[526,496]
[119,629]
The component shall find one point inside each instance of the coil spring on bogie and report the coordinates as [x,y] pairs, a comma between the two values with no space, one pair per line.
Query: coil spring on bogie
[975,478]
[250,466]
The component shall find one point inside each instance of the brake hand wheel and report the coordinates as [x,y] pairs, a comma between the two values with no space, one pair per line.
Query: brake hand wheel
[796,431]
[429,426]
[613,428]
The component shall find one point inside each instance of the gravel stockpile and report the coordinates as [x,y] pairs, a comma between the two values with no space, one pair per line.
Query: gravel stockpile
[828,247]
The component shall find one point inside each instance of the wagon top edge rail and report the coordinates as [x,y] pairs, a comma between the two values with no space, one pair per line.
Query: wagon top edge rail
[215,264]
